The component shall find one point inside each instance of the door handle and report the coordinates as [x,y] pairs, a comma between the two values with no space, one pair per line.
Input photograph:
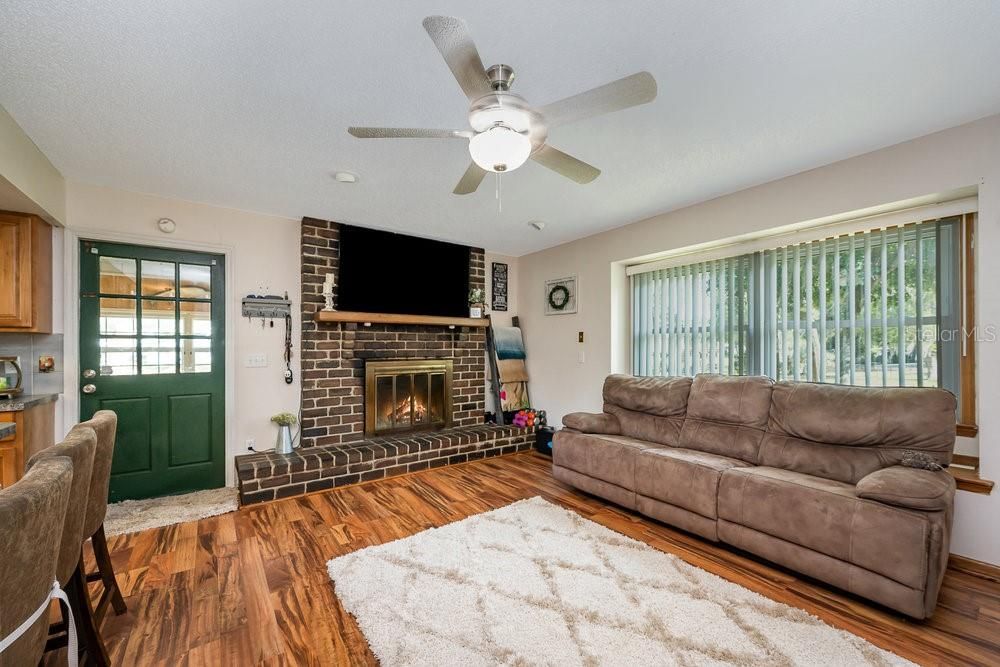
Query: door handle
[89,373]
[89,389]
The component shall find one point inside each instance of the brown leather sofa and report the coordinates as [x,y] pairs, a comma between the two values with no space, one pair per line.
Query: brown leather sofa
[805,475]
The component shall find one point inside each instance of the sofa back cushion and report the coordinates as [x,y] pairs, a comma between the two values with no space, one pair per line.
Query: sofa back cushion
[648,408]
[844,433]
[727,415]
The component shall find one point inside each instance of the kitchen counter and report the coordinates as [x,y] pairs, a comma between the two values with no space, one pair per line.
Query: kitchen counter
[25,401]
[7,429]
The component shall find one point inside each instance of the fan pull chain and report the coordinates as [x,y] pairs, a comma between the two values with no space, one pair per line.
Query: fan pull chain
[499,195]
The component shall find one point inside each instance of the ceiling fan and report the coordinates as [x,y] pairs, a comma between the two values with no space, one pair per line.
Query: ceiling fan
[506,130]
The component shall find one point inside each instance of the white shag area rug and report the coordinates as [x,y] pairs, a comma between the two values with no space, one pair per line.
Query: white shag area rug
[535,584]
[132,516]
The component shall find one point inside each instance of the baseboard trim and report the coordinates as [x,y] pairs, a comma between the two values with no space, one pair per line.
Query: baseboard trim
[976,568]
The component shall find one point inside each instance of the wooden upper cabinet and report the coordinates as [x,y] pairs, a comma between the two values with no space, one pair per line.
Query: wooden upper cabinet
[25,273]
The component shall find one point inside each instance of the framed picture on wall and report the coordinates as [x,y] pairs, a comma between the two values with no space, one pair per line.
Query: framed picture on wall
[499,300]
[561,296]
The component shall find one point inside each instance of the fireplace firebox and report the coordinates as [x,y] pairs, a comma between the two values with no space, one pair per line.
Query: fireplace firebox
[407,395]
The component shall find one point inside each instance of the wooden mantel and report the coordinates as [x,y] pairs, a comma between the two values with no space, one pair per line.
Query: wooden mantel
[331,316]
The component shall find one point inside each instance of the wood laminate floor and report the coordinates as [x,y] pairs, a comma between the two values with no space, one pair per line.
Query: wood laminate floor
[251,588]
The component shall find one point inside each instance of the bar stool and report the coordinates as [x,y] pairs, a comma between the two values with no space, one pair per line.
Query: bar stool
[32,513]
[105,424]
[78,446]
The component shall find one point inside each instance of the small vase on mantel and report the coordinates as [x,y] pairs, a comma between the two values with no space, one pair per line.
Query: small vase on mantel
[477,301]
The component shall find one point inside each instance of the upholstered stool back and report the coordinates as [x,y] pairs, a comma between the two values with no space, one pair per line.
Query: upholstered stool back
[31,517]
[79,447]
[105,424]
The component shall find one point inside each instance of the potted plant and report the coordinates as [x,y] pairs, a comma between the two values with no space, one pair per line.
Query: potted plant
[284,420]
[477,302]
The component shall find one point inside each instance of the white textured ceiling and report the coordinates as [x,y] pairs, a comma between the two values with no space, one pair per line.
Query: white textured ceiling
[245,103]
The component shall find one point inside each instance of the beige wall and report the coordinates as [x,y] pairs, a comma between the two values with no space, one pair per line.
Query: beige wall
[263,255]
[28,181]
[968,155]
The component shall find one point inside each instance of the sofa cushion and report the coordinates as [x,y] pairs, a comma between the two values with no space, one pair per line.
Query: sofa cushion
[660,396]
[611,458]
[909,487]
[845,433]
[827,516]
[648,408]
[727,415]
[683,477]
[588,422]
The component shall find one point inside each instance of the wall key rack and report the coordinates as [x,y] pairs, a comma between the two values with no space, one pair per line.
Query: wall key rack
[268,307]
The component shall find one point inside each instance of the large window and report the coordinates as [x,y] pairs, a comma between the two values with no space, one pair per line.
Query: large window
[881,308]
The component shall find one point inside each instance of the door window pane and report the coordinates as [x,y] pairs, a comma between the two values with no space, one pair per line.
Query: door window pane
[118,356]
[196,318]
[157,278]
[118,317]
[159,356]
[196,281]
[117,275]
[196,355]
[158,317]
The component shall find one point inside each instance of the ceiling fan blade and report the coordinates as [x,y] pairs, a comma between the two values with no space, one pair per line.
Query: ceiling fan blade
[621,94]
[406,133]
[451,37]
[471,179]
[565,165]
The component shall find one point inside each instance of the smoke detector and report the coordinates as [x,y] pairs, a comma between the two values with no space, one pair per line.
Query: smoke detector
[345,177]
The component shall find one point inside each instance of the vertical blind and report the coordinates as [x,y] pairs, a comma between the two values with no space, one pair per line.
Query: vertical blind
[880,308]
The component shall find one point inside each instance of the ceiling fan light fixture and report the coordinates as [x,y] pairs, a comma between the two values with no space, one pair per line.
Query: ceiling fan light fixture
[516,119]
[499,149]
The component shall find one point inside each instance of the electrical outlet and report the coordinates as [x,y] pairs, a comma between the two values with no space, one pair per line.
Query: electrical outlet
[256,361]
[581,357]
[251,443]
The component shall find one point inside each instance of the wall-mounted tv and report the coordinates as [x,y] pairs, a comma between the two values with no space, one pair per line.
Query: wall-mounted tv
[383,272]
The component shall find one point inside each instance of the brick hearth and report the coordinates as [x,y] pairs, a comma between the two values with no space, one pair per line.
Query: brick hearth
[268,476]
[333,449]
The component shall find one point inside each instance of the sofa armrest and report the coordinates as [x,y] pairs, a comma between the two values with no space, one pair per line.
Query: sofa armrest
[587,422]
[912,488]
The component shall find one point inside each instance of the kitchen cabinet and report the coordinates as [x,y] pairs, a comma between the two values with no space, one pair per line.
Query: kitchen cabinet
[25,273]
[34,430]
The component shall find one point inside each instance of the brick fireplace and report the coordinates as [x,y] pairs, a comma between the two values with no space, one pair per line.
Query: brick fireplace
[336,448]
[333,356]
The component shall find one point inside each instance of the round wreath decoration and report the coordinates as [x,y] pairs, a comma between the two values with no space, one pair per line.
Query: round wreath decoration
[558,297]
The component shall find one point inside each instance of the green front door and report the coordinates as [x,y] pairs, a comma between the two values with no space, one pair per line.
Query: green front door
[152,348]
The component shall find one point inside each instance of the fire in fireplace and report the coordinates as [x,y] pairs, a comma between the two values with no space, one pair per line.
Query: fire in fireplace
[406,396]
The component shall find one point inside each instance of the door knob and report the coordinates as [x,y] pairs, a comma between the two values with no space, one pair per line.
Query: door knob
[89,389]
[89,373]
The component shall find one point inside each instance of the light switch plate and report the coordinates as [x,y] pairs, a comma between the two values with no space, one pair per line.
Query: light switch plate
[256,361]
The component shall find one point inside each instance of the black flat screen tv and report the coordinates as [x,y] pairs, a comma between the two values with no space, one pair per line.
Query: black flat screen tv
[383,272]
